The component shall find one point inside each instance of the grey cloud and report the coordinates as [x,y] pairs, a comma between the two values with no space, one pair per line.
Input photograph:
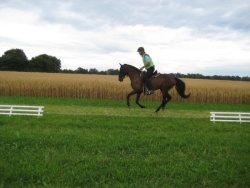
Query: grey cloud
[98,26]
[172,14]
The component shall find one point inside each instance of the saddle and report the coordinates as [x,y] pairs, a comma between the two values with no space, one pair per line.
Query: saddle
[154,75]
[143,79]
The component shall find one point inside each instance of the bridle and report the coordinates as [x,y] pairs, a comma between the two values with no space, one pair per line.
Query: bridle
[123,72]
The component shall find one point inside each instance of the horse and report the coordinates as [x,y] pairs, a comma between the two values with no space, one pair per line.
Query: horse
[164,82]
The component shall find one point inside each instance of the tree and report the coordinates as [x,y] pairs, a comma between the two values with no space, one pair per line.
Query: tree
[14,60]
[102,72]
[67,71]
[245,78]
[93,71]
[45,63]
[112,71]
[81,71]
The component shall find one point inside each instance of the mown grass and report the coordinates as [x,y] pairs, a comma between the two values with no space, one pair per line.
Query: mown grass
[101,143]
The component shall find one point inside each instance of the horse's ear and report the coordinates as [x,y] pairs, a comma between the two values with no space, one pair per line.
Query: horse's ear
[120,64]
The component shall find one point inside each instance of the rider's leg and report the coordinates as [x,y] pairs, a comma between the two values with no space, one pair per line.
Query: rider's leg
[148,82]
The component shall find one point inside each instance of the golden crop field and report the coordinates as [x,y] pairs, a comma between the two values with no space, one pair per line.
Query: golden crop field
[108,87]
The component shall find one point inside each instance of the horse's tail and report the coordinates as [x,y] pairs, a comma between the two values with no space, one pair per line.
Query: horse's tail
[180,87]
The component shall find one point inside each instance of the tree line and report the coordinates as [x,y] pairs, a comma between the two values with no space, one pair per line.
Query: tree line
[179,75]
[16,60]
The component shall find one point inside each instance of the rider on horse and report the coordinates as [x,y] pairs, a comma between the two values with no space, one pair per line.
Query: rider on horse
[149,66]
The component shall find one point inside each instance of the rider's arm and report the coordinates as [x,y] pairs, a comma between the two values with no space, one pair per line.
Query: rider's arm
[145,65]
[147,58]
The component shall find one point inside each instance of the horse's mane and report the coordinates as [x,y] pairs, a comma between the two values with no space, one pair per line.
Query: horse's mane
[138,70]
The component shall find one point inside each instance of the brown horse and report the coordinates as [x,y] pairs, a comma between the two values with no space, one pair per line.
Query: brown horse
[164,82]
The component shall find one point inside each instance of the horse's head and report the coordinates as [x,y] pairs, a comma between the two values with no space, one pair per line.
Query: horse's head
[123,72]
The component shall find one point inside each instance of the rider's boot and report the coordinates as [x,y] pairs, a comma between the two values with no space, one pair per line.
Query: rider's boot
[149,87]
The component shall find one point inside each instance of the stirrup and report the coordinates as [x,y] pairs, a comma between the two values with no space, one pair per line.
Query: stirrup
[150,92]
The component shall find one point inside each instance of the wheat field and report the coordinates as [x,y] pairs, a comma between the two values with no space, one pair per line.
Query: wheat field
[108,87]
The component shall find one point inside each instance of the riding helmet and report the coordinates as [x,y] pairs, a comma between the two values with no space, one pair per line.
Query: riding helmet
[140,49]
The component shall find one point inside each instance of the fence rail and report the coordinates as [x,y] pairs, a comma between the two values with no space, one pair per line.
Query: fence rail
[230,116]
[21,110]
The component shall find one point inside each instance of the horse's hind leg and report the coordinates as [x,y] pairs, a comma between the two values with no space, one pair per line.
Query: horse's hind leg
[168,98]
[162,103]
[165,99]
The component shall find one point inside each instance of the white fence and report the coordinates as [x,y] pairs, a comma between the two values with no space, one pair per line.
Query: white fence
[230,116]
[21,110]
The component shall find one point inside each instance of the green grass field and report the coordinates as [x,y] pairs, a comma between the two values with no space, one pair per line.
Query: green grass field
[102,143]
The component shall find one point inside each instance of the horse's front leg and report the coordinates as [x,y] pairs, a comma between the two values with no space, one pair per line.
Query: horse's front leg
[128,96]
[137,100]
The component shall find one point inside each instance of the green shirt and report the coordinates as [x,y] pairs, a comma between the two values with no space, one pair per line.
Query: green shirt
[150,60]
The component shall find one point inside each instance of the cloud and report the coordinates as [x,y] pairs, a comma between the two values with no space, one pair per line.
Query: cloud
[181,36]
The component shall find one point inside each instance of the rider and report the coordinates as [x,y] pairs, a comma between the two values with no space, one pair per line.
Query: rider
[149,66]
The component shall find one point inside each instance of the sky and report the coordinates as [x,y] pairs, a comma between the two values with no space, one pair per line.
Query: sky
[208,37]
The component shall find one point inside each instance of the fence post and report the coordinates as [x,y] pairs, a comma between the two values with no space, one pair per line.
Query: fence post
[39,111]
[11,108]
[213,115]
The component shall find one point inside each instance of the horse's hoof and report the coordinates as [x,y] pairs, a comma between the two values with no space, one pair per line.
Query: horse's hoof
[156,112]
